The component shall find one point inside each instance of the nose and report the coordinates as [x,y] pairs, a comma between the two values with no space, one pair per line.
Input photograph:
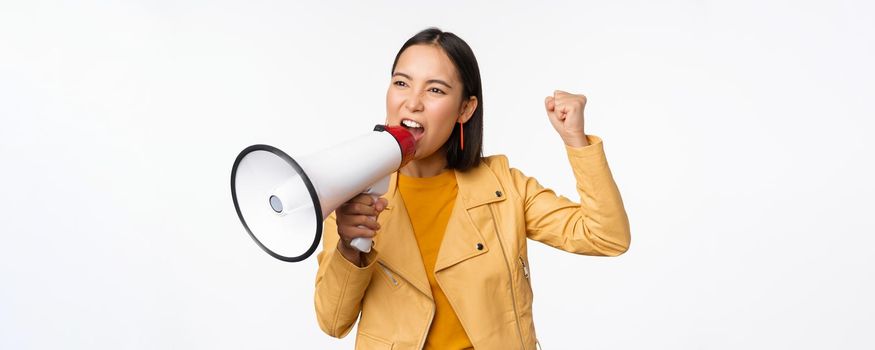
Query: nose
[413,102]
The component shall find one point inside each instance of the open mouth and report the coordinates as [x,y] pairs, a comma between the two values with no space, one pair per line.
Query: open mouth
[414,127]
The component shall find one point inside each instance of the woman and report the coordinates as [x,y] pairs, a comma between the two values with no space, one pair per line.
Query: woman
[449,268]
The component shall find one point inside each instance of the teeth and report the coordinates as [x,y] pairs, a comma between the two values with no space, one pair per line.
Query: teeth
[411,124]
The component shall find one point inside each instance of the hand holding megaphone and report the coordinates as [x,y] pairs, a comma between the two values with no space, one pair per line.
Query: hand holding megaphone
[364,243]
[357,224]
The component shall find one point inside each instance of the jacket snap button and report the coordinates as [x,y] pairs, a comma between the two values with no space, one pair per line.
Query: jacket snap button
[498,193]
[479,246]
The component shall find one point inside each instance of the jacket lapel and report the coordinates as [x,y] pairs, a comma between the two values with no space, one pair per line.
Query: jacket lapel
[402,252]
[471,219]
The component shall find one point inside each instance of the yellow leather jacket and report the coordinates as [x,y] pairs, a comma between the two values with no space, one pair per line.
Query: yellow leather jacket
[482,265]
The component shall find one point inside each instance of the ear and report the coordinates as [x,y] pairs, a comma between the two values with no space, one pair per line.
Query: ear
[468,108]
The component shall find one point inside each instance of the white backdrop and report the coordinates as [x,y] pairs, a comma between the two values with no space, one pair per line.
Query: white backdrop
[739,132]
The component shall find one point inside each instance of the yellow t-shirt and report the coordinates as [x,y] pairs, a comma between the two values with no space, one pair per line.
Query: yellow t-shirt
[429,202]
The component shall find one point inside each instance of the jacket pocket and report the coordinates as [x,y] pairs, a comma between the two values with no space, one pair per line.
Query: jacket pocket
[364,341]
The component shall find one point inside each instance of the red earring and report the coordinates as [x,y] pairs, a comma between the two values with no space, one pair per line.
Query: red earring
[462,135]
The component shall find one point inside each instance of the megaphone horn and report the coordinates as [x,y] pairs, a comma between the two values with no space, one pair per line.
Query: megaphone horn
[282,202]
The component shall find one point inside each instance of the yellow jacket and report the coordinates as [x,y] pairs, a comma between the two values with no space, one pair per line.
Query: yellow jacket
[482,266]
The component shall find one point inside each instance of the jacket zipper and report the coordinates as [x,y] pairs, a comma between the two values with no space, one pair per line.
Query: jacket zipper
[389,274]
[431,317]
[516,313]
[526,274]
[428,327]
[525,268]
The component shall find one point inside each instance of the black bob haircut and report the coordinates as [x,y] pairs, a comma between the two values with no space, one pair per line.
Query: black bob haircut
[469,73]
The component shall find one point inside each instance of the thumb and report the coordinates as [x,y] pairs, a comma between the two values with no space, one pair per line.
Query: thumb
[549,104]
[381,204]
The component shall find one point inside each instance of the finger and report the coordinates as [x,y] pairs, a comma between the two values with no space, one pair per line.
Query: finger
[559,109]
[559,93]
[358,209]
[362,198]
[361,220]
[549,103]
[381,204]
[349,233]
[564,111]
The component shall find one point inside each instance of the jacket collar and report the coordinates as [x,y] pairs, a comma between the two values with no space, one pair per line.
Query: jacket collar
[477,186]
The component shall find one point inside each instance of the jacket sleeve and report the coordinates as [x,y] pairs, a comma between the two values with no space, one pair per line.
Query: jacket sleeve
[340,284]
[596,226]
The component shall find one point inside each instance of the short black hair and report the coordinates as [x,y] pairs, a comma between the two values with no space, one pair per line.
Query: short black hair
[469,73]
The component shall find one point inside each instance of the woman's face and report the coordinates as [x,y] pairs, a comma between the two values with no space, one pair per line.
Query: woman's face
[425,96]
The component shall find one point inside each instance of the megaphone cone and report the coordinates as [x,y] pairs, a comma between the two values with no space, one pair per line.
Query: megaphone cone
[282,201]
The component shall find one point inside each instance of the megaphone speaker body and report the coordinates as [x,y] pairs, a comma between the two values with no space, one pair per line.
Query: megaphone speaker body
[282,201]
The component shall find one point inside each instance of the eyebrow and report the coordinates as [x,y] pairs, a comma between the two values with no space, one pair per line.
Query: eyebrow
[438,81]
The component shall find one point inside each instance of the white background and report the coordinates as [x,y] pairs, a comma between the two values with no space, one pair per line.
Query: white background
[739,132]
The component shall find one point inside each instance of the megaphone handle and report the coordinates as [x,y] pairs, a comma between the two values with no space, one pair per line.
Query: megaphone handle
[364,244]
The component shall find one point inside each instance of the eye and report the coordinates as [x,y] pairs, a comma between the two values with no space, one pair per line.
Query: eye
[437,91]
[400,83]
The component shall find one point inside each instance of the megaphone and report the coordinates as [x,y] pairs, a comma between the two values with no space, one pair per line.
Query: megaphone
[282,201]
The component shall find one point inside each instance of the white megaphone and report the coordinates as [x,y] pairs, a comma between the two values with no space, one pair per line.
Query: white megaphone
[282,201]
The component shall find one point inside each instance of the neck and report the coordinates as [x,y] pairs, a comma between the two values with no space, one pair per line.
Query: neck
[429,166]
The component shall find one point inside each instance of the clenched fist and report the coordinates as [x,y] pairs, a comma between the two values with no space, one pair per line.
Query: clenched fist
[565,111]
